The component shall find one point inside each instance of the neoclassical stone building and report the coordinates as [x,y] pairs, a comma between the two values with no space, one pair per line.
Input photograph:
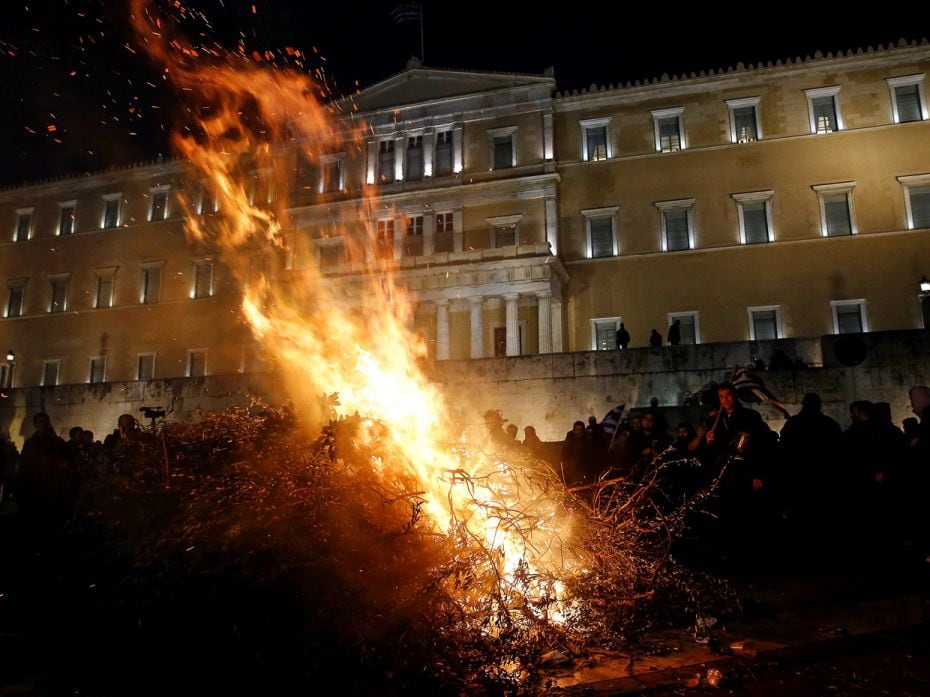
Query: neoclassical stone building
[758,202]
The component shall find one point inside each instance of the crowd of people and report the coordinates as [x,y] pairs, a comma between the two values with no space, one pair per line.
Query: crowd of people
[813,475]
[44,478]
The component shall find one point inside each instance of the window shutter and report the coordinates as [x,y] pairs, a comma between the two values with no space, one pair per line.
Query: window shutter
[836,212]
[676,230]
[755,222]
[602,237]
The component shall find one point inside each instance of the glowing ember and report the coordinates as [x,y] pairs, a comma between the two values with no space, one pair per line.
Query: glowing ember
[354,340]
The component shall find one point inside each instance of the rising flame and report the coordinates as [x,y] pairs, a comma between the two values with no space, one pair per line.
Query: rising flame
[353,339]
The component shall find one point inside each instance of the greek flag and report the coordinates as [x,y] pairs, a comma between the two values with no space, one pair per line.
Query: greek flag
[750,388]
[405,13]
[612,420]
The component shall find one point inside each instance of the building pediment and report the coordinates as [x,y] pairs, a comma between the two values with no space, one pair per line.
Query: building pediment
[418,84]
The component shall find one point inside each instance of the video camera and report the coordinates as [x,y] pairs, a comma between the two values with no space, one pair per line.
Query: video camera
[152,412]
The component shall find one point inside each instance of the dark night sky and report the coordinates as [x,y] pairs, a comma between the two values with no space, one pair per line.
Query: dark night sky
[75,97]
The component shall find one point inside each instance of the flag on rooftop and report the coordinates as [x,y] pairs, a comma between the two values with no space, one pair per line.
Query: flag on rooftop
[406,13]
[612,420]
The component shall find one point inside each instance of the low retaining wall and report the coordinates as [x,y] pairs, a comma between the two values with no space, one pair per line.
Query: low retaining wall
[548,392]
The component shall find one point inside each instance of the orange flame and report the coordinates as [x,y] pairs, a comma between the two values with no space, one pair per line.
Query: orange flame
[333,336]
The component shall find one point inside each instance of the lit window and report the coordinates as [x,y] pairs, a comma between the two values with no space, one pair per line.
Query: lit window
[594,141]
[203,279]
[604,333]
[17,292]
[413,240]
[744,120]
[98,369]
[385,239]
[386,162]
[59,300]
[669,129]
[158,209]
[106,280]
[207,200]
[442,162]
[849,317]
[415,157]
[503,153]
[50,372]
[151,283]
[689,326]
[66,215]
[907,98]
[755,217]
[196,363]
[836,210]
[111,211]
[917,200]
[677,228]
[505,231]
[825,116]
[23,230]
[442,238]
[332,168]
[764,322]
[599,230]
[145,366]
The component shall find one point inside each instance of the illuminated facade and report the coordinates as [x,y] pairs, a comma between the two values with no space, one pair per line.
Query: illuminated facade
[761,202]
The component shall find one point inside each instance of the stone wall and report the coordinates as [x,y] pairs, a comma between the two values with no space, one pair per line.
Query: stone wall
[546,391]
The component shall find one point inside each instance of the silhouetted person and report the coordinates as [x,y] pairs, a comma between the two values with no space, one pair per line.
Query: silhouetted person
[531,443]
[623,337]
[9,458]
[40,480]
[655,339]
[674,333]
[576,455]
[497,438]
[644,444]
[780,360]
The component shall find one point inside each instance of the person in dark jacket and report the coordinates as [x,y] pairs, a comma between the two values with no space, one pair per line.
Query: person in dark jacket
[40,480]
[576,456]
[623,337]
[655,339]
[674,333]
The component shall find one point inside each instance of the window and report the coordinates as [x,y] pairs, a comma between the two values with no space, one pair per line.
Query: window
[755,217]
[207,200]
[385,239]
[23,229]
[66,213]
[822,108]
[505,231]
[677,231]
[442,238]
[98,369]
[151,283]
[145,366]
[669,131]
[6,375]
[385,162]
[604,333]
[907,99]
[331,251]
[503,154]
[836,211]
[413,241]
[158,207]
[917,200]
[849,316]
[415,158]
[203,278]
[599,229]
[50,372]
[594,142]
[14,303]
[442,163]
[196,363]
[744,120]
[764,322]
[111,211]
[59,301]
[690,326]
[332,180]
[106,279]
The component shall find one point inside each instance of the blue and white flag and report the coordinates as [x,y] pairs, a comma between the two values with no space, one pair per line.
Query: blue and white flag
[612,420]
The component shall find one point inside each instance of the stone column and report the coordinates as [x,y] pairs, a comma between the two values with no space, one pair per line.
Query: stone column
[557,327]
[548,147]
[513,324]
[400,153]
[372,162]
[429,229]
[552,224]
[545,321]
[442,329]
[477,327]
[457,233]
[429,139]
[457,159]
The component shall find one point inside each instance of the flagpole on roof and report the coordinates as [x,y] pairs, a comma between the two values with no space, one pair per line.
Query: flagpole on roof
[422,43]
